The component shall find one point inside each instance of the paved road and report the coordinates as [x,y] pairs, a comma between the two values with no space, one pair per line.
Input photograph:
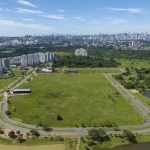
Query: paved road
[14,125]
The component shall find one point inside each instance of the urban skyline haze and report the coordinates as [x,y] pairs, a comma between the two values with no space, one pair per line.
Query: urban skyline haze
[30,17]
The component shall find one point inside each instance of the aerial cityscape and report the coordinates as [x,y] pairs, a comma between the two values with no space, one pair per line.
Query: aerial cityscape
[74,75]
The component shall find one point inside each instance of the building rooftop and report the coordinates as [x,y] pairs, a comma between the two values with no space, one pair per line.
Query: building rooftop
[21,90]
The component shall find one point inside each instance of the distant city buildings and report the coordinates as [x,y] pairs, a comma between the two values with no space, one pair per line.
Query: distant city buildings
[29,60]
[123,41]
[81,52]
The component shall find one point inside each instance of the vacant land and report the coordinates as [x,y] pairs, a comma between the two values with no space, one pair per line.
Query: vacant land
[45,147]
[87,99]
[136,63]
[30,143]
[5,82]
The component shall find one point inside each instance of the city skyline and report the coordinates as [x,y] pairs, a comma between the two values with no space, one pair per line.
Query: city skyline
[30,17]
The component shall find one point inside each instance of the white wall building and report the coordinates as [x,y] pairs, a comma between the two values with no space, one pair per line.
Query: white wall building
[81,52]
[24,61]
[6,63]
[31,59]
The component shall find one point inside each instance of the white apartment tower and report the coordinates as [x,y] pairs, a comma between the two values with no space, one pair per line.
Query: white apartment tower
[24,61]
[81,52]
[30,59]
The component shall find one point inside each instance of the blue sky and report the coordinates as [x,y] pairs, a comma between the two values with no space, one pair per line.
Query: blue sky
[80,17]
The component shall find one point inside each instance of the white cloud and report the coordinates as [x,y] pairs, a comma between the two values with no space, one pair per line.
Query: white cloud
[58,17]
[28,11]
[26,3]
[11,23]
[131,10]
[114,20]
[61,10]
[27,19]
[79,18]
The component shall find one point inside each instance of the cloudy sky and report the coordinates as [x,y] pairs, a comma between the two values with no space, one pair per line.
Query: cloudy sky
[24,17]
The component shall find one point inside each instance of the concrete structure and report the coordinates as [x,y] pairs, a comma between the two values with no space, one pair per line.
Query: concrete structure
[2,70]
[5,62]
[81,52]
[29,60]
[17,91]
[24,61]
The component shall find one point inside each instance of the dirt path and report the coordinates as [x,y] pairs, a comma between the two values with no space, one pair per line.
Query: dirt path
[78,145]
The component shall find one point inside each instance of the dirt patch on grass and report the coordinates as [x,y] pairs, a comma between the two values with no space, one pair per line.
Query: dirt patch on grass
[134,91]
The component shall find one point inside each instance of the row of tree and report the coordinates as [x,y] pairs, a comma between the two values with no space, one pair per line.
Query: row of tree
[83,62]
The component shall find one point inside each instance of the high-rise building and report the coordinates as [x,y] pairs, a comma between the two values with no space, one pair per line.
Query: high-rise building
[36,58]
[78,52]
[30,59]
[6,63]
[81,52]
[2,70]
[24,61]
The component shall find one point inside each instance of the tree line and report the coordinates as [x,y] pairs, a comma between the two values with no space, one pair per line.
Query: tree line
[84,62]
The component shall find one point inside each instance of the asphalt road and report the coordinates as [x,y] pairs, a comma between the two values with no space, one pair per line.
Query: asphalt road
[14,125]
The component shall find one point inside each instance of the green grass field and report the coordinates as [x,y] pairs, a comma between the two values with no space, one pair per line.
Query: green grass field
[5,82]
[145,100]
[134,63]
[80,98]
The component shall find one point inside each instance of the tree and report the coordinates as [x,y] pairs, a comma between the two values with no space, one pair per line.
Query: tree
[130,136]
[98,135]
[18,132]
[20,139]
[27,134]
[40,124]
[34,133]
[59,118]
[46,128]
[11,134]
[7,112]
[129,85]
[1,131]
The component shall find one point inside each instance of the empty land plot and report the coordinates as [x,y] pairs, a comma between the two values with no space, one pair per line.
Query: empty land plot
[136,63]
[45,147]
[5,82]
[80,98]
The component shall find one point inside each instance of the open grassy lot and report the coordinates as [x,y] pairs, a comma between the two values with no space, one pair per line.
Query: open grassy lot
[46,143]
[134,63]
[45,147]
[5,82]
[80,98]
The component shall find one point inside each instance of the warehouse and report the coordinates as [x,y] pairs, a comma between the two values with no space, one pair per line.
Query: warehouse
[17,91]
